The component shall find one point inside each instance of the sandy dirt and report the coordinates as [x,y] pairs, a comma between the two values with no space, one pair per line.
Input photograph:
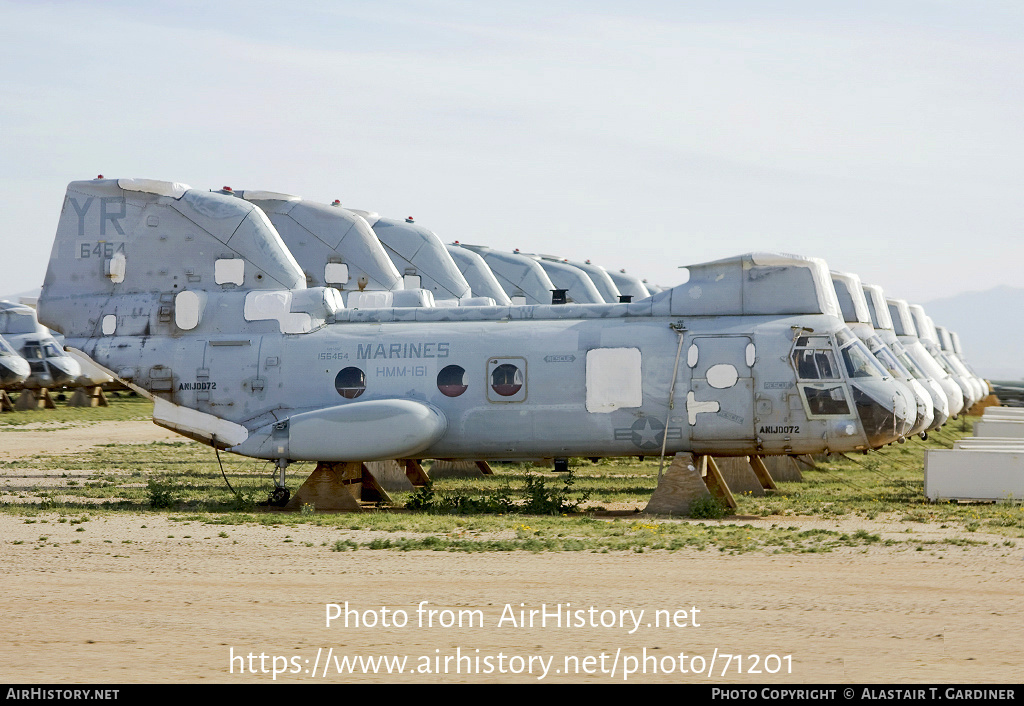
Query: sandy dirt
[70,438]
[144,598]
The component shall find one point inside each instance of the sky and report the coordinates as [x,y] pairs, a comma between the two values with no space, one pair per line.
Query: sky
[884,137]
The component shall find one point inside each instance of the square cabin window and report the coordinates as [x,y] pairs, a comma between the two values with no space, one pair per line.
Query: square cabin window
[229,271]
[336,273]
[613,379]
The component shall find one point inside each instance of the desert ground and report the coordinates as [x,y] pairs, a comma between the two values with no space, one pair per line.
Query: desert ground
[147,597]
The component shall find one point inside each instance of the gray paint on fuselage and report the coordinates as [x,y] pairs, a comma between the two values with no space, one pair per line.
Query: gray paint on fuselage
[263,359]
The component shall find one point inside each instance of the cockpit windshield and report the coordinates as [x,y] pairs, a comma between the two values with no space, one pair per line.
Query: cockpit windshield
[886,358]
[859,361]
[946,364]
[907,361]
[856,356]
[814,359]
[958,365]
[924,359]
[17,322]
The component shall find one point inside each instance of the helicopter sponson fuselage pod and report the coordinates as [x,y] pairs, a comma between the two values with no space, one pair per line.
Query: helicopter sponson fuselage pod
[192,297]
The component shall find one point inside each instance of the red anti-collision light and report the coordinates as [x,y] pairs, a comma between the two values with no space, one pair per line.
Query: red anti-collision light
[226,188]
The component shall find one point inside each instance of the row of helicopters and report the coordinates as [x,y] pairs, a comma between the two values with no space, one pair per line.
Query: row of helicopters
[30,357]
[288,330]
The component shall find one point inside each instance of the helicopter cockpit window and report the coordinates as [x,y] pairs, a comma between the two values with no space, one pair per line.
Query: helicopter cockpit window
[888,361]
[844,337]
[906,361]
[827,400]
[816,361]
[17,322]
[860,363]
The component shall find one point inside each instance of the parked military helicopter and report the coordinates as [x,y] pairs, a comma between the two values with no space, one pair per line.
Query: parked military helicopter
[947,340]
[906,331]
[14,369]
[576,283]
[192,297]
[481,279]
[50,366]
[420,256]
[521,277]
[322,238]
[882,321]
[854,306]
[630,285]
[334,246]
[930,339]
[601,279]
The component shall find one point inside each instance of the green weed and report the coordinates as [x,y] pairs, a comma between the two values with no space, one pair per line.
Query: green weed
[707,508]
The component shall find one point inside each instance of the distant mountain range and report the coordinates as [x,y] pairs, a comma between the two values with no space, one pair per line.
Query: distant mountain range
[991,329]
[990,325]
[29,294]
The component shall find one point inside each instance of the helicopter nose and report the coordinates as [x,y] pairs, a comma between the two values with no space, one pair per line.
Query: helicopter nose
[13,370]
[883,412]
[940,404]
[925,413]
[64,370]
[909,414]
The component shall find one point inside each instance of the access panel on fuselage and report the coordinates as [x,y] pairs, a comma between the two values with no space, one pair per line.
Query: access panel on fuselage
[719,402]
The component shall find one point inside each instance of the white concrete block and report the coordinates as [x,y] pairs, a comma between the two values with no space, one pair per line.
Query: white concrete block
[1004,428]
[973,474]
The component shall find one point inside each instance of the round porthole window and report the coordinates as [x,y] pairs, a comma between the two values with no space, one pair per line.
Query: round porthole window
[350,383]
[506,380]
[451,381]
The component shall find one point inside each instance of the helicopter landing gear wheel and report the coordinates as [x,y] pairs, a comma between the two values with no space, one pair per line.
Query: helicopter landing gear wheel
[279,496]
